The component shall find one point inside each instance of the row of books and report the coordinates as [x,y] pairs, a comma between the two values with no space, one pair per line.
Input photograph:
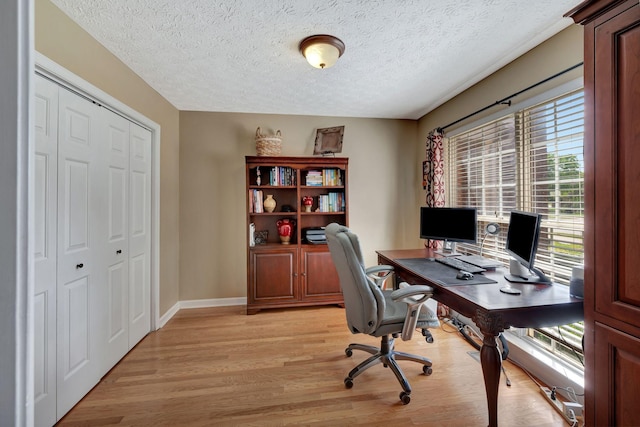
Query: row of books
[332,202]
[325,177]
[255,201]
[282,175]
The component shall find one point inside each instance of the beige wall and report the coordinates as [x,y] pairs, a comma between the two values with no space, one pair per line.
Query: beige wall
[213,255]
[61,40]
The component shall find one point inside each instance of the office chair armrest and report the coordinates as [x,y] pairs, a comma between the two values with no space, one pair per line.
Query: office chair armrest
[375,271]
[414,297]
[412,291]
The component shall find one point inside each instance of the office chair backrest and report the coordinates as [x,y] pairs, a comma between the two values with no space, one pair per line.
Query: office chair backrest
[363,300]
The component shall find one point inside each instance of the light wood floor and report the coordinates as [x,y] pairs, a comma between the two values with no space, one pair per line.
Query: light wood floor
[220,367]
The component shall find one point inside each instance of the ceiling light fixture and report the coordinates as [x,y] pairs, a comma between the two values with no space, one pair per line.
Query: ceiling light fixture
[322,50]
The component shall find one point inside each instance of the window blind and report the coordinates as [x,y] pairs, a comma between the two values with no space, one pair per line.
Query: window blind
[553,180]
[531,160]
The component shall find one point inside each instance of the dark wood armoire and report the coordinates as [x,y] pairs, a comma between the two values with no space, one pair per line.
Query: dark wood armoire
[612,216]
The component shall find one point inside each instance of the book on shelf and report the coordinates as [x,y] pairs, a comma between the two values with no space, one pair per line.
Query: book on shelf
[332,202]
[314,178]
[252,233]
[329,177]
[282,176]
[255,201]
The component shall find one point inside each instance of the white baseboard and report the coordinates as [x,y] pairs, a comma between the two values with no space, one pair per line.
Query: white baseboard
[199,303]
[168,315]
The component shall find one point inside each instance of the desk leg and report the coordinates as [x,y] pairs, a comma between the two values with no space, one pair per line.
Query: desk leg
[491,362]
[490,326]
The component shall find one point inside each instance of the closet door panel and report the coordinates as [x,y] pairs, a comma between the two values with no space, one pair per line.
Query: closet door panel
[114,243]
[44,255]
[78,279]
[139,234]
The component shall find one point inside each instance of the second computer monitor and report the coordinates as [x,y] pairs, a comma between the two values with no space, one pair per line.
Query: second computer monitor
[522,244]
[449,224]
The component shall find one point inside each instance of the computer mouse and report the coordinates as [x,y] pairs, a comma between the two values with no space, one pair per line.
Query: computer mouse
[464,275]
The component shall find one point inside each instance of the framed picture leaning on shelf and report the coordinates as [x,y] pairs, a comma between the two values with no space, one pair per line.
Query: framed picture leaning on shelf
[329,140]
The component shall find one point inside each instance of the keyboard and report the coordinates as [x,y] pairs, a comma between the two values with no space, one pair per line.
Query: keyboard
[459,265]
[480,261]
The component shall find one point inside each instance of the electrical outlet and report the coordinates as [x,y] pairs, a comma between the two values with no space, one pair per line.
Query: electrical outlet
[563,408]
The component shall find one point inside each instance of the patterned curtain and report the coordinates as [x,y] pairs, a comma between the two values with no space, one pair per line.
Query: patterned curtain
[433,171]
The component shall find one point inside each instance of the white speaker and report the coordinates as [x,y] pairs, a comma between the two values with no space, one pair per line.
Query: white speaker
[576,284]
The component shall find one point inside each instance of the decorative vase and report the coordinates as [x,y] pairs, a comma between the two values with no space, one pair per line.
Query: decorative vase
[269,203]
[307,202]
[285,229]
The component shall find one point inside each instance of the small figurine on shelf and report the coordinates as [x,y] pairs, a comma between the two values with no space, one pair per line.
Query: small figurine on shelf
[307,201]
[258,180]
[285,229]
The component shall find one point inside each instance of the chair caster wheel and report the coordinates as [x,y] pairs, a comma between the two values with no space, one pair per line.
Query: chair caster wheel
[348,352]
[427,336]
[427,370]
[405,398]
[348,382]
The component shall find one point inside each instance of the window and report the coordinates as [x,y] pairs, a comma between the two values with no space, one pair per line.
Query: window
[530,160]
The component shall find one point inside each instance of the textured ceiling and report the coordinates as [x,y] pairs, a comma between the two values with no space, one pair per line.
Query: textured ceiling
[403,58]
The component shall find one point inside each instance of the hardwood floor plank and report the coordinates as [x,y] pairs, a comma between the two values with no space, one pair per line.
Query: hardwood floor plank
[221,367]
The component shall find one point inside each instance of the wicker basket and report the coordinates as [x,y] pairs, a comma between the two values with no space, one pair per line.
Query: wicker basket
[268,145]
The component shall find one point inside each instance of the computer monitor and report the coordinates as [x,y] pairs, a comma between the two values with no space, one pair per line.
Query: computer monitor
[522,244]
[450,225]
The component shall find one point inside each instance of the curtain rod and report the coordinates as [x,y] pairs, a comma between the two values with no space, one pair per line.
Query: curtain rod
[507,100]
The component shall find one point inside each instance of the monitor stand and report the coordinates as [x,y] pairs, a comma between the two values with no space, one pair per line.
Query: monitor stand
[448,249]
[518,273]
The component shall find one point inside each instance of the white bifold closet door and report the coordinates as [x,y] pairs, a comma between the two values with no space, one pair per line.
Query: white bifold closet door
[139,234]
[81,219]
[44,250]
[92,251]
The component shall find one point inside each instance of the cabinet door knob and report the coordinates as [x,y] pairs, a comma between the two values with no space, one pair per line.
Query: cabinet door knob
[119,251]
[79,265]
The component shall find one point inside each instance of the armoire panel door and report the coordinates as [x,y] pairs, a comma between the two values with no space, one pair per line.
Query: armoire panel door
[139,234]
[114,242]
[78,308]
[618,358]
[44,253]
[617,177]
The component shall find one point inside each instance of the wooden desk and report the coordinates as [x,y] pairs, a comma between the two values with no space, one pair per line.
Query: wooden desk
[492,310]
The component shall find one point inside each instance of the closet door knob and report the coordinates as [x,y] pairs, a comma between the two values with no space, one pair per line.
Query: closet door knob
[79,265]
[119,251]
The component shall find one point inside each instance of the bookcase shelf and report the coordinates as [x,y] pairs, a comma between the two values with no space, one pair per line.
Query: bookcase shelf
[298,273]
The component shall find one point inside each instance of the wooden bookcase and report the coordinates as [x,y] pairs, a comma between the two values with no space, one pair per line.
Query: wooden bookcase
[298,273]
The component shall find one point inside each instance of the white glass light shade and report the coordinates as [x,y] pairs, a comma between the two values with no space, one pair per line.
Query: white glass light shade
[322,51]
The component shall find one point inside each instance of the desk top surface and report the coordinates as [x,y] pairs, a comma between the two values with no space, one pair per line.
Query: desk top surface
[536,306]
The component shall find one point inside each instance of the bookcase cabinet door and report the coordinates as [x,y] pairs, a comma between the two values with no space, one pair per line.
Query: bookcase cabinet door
[272,276]
[319,278]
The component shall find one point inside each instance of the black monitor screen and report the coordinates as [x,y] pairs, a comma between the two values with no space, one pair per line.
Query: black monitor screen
[452,224]
[522,236]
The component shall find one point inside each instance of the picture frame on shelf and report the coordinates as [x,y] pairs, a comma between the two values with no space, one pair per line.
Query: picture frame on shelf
[261,237]
[329,140]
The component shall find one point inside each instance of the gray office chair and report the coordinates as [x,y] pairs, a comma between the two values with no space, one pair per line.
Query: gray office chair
[381,313]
